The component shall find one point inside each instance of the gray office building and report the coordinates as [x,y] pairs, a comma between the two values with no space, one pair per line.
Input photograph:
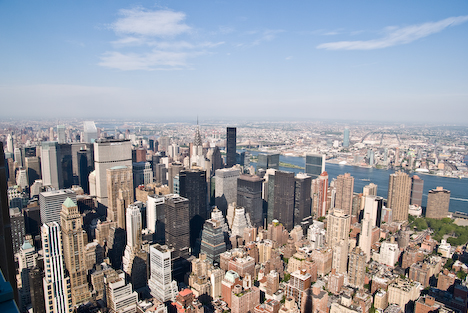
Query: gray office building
[109,153]
[315,165]
[268,160]
[51,202]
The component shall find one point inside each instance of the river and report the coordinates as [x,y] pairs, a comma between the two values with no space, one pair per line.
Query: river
[362,176]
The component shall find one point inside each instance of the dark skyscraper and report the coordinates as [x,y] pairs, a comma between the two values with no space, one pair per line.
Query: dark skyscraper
[249,196]
[266,161]
[302,199]
[315,165]
[284,198]
[177,233]
[7,263]
[64,155]
[231,147]
[193,186]
[417,185]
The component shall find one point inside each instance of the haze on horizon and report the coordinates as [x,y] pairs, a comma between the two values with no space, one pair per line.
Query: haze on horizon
[380,61]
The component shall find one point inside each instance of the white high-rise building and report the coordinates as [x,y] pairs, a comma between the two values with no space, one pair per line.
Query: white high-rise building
[239,222]
[389,253]
[10,147]
[365,239]
[154,209]
[160,283]
[338,224]
[370,206]
[316,234]
[107,154]
[89,132]
[50,203]
[18,158]
[27,258]
[49,164]
[61,134]
[119,295]
[226,187]
[57,292]
[22,178]
[133,223]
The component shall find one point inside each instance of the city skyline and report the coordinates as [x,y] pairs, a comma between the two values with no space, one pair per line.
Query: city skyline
[347,61]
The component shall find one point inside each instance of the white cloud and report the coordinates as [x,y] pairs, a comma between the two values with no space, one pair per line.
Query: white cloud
[154,60]
[396,35]
[159,33]
[162,23]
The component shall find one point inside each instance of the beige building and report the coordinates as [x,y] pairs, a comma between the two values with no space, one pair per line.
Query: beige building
[338,224]
[438,201]
[357,268]
[119,192]
[344,193]
[381,299]
[399,194]
[403,291]
[74,241]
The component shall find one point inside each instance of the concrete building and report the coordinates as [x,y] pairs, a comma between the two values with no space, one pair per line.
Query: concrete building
[357,268]
[344,185]
[74,240]
[244,300]
[89,132]
[119,295]
[338,224]
[417,186]
[438,201]
[399,194]
[320,195]
[212,240]
[365,237]
[389,253]
[402,291]
[160,283]
[109,153]
[249,196]
[59,300]
[226,187]
[298,288]
[18,230]
[119,193]
[50,203]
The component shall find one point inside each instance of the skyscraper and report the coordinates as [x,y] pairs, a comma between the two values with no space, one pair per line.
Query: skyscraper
[193,186]
[177,224]
[302,199]
[315,165]
[365,238]
[109,153]
[399,192]
[59,299]
[249,196]
[357,268]
[231,146]
[344,193]
[33,167]
[212,240]
[74,240]
[226,187]
[438,201]
[338,224]
[50,203]
[56,165]
[346,137]
[119,192]
[417,186]
[134,261]
[284,198]
[268,160]
[160,283]
[7,263]
[89,132]
[320,195]
[61,134]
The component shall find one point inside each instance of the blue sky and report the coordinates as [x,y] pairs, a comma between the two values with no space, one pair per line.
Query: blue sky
[170,60]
